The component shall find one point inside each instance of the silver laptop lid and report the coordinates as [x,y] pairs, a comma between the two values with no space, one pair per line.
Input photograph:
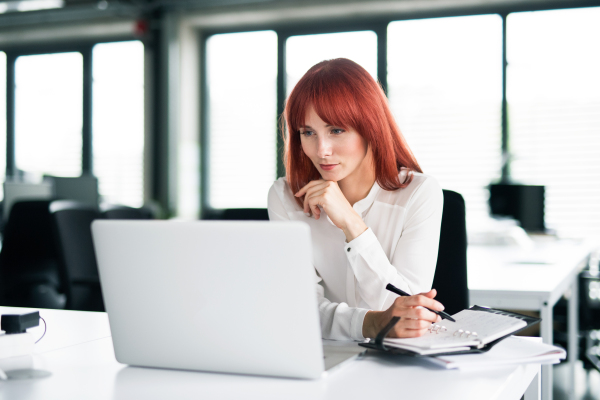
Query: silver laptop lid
[218,296]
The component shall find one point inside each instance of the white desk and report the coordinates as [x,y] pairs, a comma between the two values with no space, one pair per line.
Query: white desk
[82,363]
[513,278]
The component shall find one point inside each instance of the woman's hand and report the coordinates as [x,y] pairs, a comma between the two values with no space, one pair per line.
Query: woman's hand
[414,319]
[328,195]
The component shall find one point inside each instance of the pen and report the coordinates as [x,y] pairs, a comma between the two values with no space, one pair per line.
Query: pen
[394,289]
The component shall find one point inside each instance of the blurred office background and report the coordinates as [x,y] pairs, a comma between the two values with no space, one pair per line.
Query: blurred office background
[176,102]
[172,107]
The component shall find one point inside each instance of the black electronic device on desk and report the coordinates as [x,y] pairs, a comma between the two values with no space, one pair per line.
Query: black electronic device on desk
[476,330]
[525,203]
[19,323]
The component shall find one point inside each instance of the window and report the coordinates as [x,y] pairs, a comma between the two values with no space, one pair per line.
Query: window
[553,92]
[49,119]
[302,52]
[242,118]
[445,89]
[118,121]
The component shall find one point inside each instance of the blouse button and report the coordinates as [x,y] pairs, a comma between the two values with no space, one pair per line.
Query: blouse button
[348,250]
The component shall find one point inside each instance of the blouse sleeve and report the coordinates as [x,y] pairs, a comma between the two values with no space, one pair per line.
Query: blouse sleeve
[412,265]
[338,320]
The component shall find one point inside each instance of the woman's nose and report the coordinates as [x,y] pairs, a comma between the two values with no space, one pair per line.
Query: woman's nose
[324,150]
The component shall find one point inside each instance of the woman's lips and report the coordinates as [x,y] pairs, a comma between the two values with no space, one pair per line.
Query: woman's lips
[328,167]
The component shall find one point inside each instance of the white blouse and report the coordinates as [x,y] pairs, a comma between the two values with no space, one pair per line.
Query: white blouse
[400,247]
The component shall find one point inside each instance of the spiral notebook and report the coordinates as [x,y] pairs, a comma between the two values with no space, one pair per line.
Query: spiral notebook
[476,330]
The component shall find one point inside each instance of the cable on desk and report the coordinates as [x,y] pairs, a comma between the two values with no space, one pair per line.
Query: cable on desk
[44,334]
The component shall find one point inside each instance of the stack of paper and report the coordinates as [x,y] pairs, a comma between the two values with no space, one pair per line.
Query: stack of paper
[512,350]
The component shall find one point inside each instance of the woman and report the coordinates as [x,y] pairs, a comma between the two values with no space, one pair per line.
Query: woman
[374,217]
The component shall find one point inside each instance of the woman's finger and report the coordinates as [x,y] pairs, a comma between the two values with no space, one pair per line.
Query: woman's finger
[310,193]
[314,207]
[313,193]
[310,184]
[303,190]
[423,301]
[311,202]
[417,314]
[415,323]
[418,300]
[316,211]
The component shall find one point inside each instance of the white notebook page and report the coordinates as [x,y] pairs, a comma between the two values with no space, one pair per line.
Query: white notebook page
[471,328]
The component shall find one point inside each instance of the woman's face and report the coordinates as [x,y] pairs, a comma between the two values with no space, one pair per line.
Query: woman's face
[337,153]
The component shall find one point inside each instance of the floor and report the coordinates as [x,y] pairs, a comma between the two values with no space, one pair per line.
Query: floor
[587,385]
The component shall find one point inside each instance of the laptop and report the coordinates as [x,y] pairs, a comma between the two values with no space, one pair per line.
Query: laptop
[220,296]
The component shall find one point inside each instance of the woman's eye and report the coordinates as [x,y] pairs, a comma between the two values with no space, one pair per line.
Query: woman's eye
[337,131]
[306,133]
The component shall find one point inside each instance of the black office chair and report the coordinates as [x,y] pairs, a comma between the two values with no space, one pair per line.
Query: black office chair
[245,214]
[82,188]
[450,279]
[72,222]
[117,211]
[29,263]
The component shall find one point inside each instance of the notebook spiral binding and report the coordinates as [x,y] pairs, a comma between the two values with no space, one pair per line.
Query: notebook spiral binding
[460,333]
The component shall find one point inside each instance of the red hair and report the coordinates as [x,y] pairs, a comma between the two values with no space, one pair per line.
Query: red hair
[344,94]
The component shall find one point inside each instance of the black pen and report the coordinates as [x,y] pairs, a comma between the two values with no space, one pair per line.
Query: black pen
[394,289]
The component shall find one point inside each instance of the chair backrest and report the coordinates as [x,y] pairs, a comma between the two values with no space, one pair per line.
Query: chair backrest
[29,259]
[72,221]
[114,211]
[82,189]
[21,191]
[450,278]
[245,214]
